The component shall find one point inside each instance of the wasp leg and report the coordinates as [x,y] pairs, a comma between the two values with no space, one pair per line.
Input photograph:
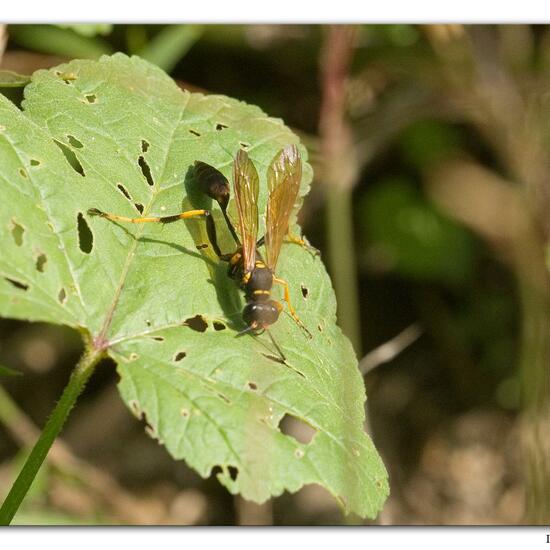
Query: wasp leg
[290,308]
[210,225]
[292,238]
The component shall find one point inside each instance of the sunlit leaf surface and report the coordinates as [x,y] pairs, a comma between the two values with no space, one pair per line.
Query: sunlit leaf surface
[119,135]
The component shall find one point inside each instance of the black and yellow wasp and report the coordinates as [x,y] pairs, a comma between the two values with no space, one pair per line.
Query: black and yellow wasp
[254,274]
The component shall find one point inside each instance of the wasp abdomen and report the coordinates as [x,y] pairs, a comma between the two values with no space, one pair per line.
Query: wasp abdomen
[212,182]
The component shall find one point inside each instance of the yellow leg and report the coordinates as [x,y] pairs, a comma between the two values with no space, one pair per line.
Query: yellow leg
[291,238]
[163,219]
[291,310]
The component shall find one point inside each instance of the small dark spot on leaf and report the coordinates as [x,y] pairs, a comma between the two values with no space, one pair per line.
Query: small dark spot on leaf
[194,132]
[71,157]
[147,322]
[233,472]
[90,98]
[184,413]
[17,284]
[144,146]
[41,262]
[62,296]
[17,232]
[244,145]
[253,386]
[124,191]
[133,356]
[85,235]
[75,142]
[218,325]
[197,323]
[298,453]
[158,338]
[179,356]
[305,291]
[23,172]
[139,207]
[320,328]
[379,483]
[145,170]
[35,162]
[297,428]
[220,126]
[224,398]
[202,246]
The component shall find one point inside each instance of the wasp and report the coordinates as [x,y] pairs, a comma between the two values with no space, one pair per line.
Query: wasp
[246,265]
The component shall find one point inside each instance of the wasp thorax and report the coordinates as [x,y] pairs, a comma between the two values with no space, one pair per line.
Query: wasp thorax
[259,282]
[261,314]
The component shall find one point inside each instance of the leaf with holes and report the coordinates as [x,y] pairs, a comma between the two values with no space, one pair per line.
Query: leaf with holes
[117,134]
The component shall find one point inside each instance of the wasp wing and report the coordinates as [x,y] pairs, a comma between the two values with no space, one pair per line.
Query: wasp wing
[246,183]
[283,179]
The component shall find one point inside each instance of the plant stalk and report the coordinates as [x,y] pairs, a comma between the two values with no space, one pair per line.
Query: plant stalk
[74,388]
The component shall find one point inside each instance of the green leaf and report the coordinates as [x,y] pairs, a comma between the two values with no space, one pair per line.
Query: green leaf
[119,133]
[5,371]
[9,79]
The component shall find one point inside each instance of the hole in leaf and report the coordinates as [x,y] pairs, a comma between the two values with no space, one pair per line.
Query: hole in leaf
[23,172]
[145,170]
[184,413]
[158,338]
[194,132]
[244,145]
[296,428]
[41,262]
[124,191]
[72,159]
[147,322]
[179,356]
[35,162]
[305,291]
[298,453]
[218,325]
[144,146]
[17,284]
[319,328]
[202,246]
[85,235]
[74,142]
[197,323]
[139,207]
[90,98]
[253,386]
[133,356]
[62,296]
[233,472]
[220,126]
[17,232]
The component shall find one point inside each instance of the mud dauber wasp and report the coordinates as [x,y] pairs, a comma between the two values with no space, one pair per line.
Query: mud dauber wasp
[247,267]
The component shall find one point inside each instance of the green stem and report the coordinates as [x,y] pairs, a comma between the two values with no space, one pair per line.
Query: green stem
[342,261]
[53,427]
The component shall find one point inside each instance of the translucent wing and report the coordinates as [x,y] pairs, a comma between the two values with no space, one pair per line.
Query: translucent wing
[246,183]
[283,179]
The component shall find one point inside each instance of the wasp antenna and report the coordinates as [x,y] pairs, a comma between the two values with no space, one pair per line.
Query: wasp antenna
[279,351]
